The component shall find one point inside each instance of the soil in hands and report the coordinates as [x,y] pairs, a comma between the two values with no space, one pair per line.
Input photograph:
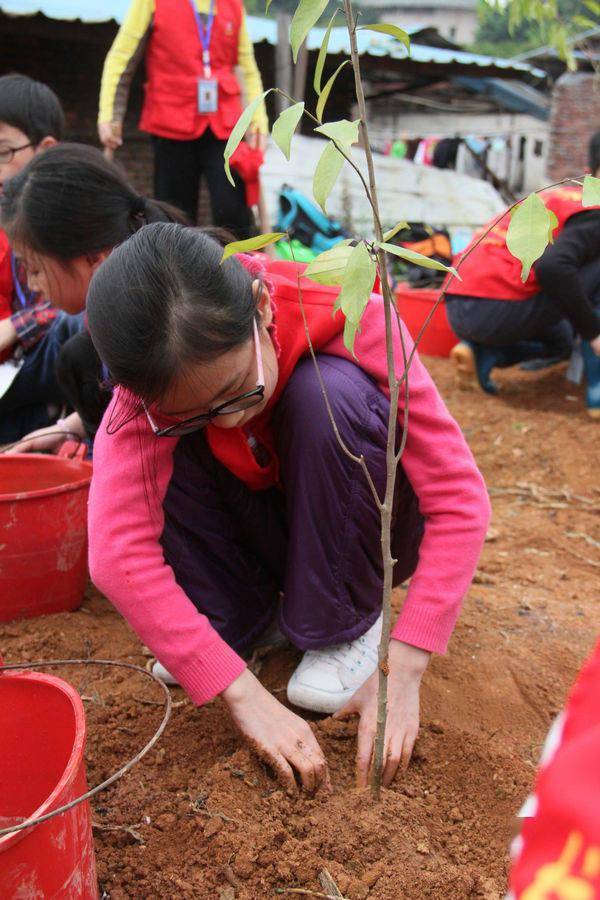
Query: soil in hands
[200,817]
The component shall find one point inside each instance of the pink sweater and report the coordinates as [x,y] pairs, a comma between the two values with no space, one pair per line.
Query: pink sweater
[132,470]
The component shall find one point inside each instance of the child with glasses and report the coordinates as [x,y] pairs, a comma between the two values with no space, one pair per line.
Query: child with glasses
[221,499]
[32,330]
[64,212]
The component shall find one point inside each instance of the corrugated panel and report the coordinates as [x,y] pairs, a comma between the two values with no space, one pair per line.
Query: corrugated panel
[266,30]
[91,11]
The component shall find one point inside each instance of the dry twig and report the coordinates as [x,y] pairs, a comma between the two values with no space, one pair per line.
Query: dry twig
[328,884]
[129,829]
[305,892]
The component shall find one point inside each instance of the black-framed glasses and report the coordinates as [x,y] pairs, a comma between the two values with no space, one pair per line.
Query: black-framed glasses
[7,154]
[230,407]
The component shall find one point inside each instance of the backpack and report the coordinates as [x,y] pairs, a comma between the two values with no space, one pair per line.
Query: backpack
[305,222]
[432,242]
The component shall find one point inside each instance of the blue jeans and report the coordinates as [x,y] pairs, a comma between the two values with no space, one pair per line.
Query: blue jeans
[24,406]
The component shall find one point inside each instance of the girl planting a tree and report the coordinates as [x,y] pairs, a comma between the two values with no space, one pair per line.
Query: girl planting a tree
[221,500]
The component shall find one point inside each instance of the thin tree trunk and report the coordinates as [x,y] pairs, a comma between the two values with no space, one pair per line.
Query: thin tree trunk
[391,459]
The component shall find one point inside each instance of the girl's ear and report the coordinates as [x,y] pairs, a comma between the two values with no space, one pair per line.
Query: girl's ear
[46,143]
[96,259]
[264,306]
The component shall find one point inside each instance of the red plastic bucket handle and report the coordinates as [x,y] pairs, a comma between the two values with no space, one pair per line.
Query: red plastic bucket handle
[40,664]
[73,450]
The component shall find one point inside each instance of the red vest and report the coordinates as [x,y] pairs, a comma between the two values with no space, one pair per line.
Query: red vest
[230,445]
[174,66]
[491,271]
[6,285]
[558,852]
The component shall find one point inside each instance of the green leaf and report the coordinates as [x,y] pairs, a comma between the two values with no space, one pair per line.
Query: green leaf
[239,130]
[343,133]
[326,174]
[583,22]
[591,191]
[529,232]
[308,12]
[324,97]
[356,290]
[329,267]
[417,258]
[552,225]
[285,126]
[267,5]
[392,30]
[254,243]
[322,55]
[350,332]
[388,235]
[593,7]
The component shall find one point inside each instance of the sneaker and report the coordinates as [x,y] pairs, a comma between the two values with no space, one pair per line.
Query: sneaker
[327,678]
[272,637]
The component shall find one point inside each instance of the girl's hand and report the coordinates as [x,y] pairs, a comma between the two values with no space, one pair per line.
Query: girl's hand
[110,134]
[257,140]
[44,440]
[595,345]
[277,735]
[407,665]
[51,438]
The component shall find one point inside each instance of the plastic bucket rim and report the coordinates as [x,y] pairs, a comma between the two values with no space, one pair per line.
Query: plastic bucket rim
[76,756]
[83,481]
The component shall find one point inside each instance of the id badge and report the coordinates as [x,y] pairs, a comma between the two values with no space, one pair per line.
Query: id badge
[208,95]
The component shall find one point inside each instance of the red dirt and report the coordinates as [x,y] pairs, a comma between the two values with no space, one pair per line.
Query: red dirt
[208,820]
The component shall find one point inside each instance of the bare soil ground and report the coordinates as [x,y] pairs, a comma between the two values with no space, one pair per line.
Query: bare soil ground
[201,818]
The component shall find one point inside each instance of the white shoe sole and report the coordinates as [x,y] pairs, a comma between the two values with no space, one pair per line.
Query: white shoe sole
[316,701]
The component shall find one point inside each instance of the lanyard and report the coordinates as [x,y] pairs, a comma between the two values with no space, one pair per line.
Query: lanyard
[23,298]
[204,34]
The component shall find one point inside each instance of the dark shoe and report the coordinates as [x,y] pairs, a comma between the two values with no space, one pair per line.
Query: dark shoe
[591,364]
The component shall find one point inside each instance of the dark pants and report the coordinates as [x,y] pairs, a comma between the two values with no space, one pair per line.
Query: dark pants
[79,373]
[24,407]
[318,541]
[178,167]
[501,323]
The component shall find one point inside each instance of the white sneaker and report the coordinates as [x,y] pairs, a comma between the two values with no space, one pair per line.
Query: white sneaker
[327,678]
[272,637]
[159,671]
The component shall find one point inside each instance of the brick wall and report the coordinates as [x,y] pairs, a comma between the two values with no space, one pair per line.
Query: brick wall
[575,116]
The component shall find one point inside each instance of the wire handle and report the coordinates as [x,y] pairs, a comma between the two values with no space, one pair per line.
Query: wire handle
[40,664]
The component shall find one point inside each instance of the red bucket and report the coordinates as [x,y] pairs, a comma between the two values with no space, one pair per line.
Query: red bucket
[414,305]
[42,723]
[43,534]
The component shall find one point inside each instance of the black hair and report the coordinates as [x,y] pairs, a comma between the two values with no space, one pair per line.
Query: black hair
[71,201]
[163,300]
[32,107]
[594,152]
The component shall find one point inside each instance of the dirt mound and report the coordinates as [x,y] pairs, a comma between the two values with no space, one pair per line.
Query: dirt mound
[201,818]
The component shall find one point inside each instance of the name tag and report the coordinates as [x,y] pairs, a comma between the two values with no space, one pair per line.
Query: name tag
[208,95]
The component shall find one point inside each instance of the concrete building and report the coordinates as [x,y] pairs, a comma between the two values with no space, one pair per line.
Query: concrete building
[455,20]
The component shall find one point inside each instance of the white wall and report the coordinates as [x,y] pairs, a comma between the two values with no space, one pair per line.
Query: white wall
[391,122]
[406,191]
[459,25]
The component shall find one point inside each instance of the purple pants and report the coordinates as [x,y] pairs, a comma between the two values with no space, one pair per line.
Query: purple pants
[234,551]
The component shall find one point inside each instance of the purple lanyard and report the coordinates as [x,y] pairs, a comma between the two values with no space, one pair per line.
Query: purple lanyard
[24,299]
[204,33]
